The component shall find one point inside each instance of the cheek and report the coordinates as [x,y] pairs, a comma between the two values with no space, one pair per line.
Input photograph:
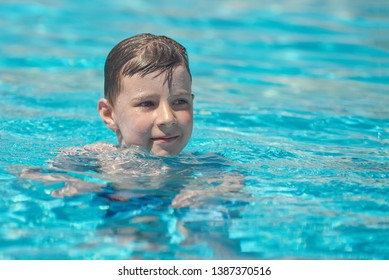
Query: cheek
[132,123]
[186,119]
[140,128]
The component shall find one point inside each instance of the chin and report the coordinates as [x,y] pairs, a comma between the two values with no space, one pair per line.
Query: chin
[165,153]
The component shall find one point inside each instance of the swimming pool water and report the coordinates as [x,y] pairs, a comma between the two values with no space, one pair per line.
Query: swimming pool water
[292,96]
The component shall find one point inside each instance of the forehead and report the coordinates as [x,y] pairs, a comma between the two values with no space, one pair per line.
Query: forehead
[180,78]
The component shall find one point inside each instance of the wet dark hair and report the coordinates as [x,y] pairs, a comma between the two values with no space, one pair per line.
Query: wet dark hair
[142,54]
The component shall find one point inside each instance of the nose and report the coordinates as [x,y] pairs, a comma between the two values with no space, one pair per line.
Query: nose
[165,115]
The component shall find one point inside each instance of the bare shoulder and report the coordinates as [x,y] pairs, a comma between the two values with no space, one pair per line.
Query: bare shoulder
[81,158]
[89,149]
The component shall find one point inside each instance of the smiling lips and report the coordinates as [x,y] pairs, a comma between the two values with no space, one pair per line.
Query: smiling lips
[166,139]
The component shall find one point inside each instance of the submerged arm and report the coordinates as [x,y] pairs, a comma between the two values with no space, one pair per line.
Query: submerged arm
[225,186]
[73,185]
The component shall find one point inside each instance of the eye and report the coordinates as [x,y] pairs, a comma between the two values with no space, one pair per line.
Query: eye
[146,104]
[180,101]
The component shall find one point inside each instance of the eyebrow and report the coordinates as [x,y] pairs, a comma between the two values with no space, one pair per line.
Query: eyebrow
[143,96]
[181,93]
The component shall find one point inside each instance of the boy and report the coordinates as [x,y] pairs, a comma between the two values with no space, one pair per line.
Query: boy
[148,103]
[148,98]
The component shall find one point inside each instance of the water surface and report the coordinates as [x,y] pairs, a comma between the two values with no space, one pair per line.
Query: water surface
[291,96]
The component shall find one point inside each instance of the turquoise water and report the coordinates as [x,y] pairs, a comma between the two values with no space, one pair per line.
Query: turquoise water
[291,97]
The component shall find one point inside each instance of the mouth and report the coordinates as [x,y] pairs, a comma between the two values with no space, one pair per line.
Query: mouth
[166,139]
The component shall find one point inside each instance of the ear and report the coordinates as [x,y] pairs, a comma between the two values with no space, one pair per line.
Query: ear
[106,113]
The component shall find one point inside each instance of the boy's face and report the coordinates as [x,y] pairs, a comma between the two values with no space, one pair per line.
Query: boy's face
[149,114]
